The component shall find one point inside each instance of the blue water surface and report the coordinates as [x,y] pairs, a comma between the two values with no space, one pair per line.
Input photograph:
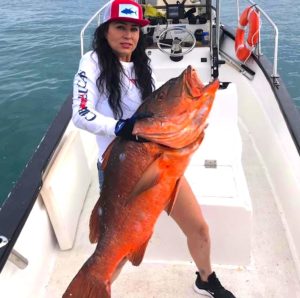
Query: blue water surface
[39,54]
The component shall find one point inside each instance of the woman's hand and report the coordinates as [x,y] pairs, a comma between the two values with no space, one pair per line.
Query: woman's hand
[124,128]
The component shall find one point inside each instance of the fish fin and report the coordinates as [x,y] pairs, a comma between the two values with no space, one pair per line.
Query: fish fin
[149,178]
[173,196]
[95,224]
[85,284]
[137,256]
[106,154]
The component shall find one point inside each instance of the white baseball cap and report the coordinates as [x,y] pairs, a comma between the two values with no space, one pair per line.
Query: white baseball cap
[124,10]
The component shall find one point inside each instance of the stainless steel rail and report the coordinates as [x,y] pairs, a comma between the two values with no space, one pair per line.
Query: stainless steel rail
[276,37]
[97,14]
[218,4]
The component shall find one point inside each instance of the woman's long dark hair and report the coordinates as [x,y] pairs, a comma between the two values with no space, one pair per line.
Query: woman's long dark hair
[110,69]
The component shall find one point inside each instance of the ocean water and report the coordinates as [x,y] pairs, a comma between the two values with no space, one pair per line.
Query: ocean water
[39,54]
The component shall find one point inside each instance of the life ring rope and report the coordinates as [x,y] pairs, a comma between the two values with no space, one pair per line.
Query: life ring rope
[244,48]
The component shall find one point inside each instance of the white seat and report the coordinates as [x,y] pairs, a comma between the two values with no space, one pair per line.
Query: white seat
[62,197]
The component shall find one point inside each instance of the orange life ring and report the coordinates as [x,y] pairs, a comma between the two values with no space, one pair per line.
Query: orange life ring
[243,49]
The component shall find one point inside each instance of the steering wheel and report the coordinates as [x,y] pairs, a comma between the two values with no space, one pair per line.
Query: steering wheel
[175,49]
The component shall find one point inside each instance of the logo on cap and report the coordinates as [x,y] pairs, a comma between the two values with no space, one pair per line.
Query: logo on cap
[128,10]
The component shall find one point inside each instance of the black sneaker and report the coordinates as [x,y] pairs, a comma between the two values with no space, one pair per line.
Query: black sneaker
[212,288]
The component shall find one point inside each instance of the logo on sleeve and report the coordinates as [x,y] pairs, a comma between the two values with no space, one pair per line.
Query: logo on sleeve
[82,95]
[84,111]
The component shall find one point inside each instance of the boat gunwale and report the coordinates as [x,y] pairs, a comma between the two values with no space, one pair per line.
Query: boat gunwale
[20,201]
[289,110]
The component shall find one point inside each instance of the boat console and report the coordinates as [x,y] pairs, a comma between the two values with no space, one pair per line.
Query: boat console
[177,28]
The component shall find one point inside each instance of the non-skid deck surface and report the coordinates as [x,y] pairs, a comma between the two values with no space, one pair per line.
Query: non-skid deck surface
[271,273]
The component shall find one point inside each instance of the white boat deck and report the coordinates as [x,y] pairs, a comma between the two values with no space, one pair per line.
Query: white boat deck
[271,272]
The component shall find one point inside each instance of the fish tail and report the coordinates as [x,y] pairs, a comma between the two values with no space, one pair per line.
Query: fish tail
[95,224]
[86,285]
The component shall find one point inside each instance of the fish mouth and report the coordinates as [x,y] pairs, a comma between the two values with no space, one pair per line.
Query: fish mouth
[193,85]
[181,125]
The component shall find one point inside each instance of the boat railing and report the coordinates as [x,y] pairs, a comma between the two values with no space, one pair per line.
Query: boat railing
[95,16]
[276,36]
[274,74]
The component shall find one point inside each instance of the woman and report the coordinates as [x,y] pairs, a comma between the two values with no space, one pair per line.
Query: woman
[108,88]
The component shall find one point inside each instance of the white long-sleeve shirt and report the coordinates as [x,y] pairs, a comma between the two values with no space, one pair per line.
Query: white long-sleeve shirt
[91,110]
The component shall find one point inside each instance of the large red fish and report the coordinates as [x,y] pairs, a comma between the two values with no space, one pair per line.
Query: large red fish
[142,179]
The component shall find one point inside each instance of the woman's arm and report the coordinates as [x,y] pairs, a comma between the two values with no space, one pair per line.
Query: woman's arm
[85,98]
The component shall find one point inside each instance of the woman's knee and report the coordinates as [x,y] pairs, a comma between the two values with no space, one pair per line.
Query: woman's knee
[201,231]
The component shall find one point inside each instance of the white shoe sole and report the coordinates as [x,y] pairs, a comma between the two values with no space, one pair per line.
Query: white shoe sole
[202,292]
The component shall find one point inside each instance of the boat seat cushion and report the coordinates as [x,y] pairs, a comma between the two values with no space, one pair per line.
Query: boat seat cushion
[64,188]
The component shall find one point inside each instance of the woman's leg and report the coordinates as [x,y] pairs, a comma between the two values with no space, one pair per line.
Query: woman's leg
[118,270]
[188,215]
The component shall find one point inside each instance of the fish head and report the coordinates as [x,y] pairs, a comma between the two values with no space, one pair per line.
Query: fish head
[178,109]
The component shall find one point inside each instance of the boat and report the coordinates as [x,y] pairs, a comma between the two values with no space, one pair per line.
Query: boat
[246,174]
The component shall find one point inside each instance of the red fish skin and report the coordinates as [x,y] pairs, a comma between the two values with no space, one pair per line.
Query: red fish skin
[141,180]
[126,230]
[179,112]
[117,187]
